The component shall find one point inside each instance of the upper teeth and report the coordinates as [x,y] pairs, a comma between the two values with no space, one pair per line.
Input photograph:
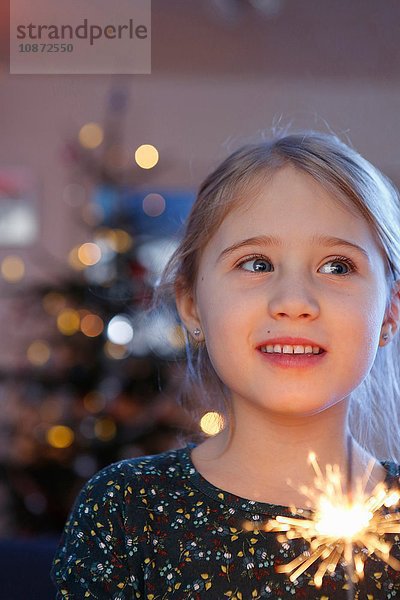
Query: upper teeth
[287,349]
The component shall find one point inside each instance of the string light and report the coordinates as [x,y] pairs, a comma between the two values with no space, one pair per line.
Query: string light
[68,321]
[212,423]
[38,353]
[53,303]
[119,330]
[92,325]
[146,156]
[91,135]
[123,241]
[60,436]
[89,254]
[105,429]
[116,351]
[13,268]
[94,402]
[73,260]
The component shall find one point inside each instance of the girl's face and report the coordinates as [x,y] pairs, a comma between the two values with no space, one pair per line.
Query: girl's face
[250,289]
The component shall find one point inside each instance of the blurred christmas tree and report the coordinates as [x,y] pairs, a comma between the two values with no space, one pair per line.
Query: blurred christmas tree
[99,379]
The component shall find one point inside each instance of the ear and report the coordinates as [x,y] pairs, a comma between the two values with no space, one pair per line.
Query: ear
[392,320]
[188,312]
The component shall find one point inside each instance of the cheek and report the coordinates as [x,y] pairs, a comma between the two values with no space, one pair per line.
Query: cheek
[360,332]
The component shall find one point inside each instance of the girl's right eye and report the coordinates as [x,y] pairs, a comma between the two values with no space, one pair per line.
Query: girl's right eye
[255,265]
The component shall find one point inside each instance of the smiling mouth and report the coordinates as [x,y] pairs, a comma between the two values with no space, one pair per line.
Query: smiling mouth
[289,350]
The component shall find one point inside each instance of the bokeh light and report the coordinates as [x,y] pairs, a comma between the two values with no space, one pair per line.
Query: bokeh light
[60,436]
[91,135]
[146,156]
[12,268]
[94,401]
[153,205]
[92,325]
[89,254]
[38,353]
[212,423]
[54,302]
[73,260]
[115,351]
[105,429]
[120,330]
[123,241]
[68,321]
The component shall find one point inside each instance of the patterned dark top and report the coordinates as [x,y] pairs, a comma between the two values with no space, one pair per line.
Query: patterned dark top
[153,528]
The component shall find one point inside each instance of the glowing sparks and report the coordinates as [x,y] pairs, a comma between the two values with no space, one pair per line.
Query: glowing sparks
[345,526]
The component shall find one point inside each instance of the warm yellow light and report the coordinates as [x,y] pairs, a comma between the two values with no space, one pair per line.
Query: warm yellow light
[73,259]
[212,423]
[94,402]
[117,239]
[123,241]
[89,254]
[105,429]
[341,521]
[60,436]
[338,523]
[68,321]
[38,353]
[13,268]
[115,351]
[91,135]
[146,156]
[92,325]
[53,303]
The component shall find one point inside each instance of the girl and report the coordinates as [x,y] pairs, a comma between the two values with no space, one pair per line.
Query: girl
[287,281]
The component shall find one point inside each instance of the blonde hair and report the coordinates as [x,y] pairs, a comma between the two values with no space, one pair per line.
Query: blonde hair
[374,416]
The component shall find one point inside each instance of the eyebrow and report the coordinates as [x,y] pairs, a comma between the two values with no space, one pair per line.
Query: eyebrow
[270,240]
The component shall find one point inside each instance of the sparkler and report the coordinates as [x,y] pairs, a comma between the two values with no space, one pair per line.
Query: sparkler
[346,525]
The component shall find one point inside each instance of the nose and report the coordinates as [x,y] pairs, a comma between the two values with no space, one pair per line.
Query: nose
[293,296]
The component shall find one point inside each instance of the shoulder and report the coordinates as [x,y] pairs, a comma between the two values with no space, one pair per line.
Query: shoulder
[112,493]
[123,476]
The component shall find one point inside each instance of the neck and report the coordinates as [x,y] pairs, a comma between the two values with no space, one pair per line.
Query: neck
[291,438]
[265,451]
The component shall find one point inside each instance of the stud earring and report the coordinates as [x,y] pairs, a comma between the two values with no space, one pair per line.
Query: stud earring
[196,332]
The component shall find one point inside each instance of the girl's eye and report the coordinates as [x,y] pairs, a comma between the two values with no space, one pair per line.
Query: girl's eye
[255,265]
[341,260]
[260,265]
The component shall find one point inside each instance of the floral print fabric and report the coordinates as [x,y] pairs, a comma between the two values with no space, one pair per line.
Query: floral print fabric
[153,528]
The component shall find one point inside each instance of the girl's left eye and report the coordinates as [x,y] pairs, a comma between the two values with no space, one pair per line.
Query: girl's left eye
[255,265]
[259,264]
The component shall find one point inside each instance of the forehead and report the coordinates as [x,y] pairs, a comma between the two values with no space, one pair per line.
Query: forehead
[292,205]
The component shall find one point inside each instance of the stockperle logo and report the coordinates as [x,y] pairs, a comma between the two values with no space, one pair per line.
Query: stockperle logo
[96,37]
